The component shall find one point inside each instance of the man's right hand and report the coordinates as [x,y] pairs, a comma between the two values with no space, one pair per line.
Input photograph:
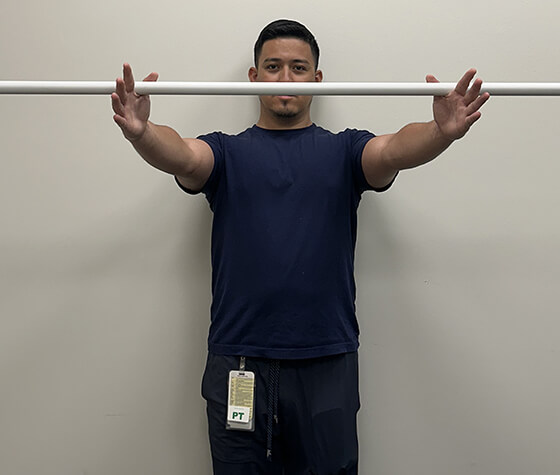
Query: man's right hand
[131,110]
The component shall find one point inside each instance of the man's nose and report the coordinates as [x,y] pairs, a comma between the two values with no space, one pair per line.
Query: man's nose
[285,74]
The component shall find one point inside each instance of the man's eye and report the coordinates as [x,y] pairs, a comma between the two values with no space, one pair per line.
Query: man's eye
[272,67]
[301,68]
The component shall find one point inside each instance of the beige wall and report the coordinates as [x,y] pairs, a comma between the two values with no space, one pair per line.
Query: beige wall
[104,262]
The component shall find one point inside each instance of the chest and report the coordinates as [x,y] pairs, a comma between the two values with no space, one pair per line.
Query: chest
[310,167]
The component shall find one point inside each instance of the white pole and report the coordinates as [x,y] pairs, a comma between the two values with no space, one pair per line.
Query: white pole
[273,88]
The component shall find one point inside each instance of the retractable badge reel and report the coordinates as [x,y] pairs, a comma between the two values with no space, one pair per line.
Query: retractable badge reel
[241,399]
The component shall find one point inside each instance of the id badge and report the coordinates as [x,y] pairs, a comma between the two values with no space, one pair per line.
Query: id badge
[241,400]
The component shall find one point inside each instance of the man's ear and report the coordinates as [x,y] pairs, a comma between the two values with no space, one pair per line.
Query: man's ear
[253,74]
[318,75]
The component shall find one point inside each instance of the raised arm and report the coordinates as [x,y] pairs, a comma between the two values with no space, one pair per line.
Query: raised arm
[419,143]
[191,160]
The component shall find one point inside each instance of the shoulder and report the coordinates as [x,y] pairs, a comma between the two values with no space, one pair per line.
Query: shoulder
[226,136]
[357,135]
[219,139]
[354,140]
[348,134]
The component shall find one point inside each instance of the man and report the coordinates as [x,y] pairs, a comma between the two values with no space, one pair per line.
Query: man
[284,336]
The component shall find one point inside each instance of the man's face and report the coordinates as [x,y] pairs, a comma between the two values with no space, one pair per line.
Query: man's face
[286,60]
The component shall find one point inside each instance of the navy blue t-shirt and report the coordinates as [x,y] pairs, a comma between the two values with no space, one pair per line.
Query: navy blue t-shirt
[283,239]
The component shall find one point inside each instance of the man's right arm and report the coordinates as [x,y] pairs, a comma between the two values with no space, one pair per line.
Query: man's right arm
[190,160]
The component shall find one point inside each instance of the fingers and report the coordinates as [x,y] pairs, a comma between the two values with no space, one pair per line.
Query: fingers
[477,103]
[431,78]
[456,112]
[131,110]
[472,98]
[462,87]
[474,91]
[471,119]
[472,112]
[125,86]
[121,90]
[120,121]
[128,78]
[152,77]
[118,106]
[463,84]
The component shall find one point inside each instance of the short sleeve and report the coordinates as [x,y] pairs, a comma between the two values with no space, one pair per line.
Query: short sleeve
[357,142]
[216,142]
[359,139]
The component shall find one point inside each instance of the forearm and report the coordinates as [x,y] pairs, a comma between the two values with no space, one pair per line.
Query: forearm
[415,145]
[164,149]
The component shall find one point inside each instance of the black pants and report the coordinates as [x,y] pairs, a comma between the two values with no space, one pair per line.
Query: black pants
[315,431]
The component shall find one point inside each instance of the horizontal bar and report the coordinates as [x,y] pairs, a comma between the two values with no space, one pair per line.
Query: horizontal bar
[274,88]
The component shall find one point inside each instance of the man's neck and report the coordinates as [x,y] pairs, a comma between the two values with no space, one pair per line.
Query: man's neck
[283,123]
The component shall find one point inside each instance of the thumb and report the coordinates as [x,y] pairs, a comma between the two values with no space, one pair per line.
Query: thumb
[430,78]
[152,77]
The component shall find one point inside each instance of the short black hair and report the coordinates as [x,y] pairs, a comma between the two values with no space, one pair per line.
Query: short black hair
[286,29]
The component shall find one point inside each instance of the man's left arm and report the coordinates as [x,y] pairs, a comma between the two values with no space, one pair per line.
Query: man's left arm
[419,143]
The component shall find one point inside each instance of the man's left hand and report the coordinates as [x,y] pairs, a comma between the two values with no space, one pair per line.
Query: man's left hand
[456,112]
